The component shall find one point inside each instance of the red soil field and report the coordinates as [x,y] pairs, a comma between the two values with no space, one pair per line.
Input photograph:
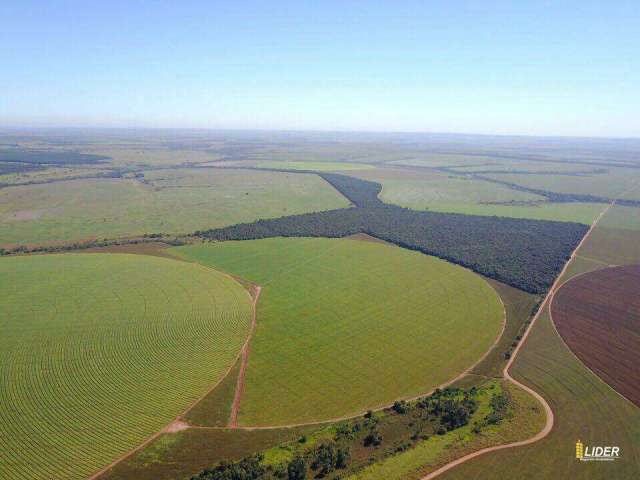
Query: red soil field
[598,316]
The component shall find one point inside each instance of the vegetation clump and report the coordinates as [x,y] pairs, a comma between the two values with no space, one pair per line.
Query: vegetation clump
[346,448]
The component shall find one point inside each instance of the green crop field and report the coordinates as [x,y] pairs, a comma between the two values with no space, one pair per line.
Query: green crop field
[99,351]
[346,325]
[169,201]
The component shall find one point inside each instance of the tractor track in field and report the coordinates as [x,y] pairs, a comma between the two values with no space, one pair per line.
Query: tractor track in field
[179,424]
[351,417]
[244,358]
[547,408]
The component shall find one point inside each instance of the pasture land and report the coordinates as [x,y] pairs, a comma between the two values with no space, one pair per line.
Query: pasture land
[150,155]
[441,192]
[345,325]
[446,160]
[614,246]
[293,165]
[183,454]
[532,167]
[419,188]
[616,239]
[616,182]
[48,157]
[598,316]
[48,174]
[584,213]
[100,351]
[167,201]
[625,218]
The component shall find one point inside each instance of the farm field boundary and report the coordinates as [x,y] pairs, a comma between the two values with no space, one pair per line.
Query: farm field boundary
[549,412]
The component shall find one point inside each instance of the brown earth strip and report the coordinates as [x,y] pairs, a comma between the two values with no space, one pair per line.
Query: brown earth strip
[235,406]
[598,317]
[155,249]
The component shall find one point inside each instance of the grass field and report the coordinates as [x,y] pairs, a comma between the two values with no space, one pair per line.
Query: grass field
[170,201]
[515,165]
[615,182]
[439,192]
[99,351]
[48,174]
[419,189]
[318,166]
[149,154]
[563,212]
[346,325]
[616,239]
[446,160]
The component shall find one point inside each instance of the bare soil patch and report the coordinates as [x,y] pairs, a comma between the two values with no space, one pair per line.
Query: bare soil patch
[598,316]
[363,237]
[177,426]
[155,249]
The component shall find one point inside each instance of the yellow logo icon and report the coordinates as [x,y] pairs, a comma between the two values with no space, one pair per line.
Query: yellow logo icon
[579,450]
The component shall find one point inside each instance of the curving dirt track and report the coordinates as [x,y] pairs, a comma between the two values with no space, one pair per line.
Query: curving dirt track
[598,317]
[549,413]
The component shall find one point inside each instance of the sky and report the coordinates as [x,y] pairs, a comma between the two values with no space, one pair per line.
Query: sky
[494,67]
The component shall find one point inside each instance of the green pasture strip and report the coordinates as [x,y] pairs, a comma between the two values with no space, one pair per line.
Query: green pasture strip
[178,456]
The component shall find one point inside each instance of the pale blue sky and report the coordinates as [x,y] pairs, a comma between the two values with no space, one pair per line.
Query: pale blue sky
[555,68]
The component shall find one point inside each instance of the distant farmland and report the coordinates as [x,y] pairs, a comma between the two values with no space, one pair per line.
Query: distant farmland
[169,201]
[346,325]
[99,351]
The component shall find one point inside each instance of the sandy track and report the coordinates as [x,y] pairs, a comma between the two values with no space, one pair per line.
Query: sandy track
[235,406]
[548,411]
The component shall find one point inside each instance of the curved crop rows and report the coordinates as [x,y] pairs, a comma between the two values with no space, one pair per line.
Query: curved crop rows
[345,325]
[597,314]
[99,351]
